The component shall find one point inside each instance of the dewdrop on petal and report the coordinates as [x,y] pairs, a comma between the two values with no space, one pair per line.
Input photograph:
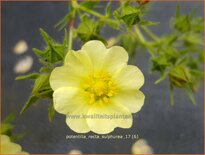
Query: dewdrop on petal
[23,65]
[20,47]
[141,147]
[75,152]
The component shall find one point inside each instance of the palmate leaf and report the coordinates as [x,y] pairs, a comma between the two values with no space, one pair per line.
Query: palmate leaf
[54,52]
[129,14]
[51,56]
[89,30]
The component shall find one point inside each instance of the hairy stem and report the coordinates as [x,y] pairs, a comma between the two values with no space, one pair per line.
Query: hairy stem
[102,17]
[70,36]
[149,33]
[142,39]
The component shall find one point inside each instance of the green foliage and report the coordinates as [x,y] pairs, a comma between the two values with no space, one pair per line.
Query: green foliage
[42,87]
[187,23]
[178,56]
[6,125]
[54,52]
[51,112]
[30,102]
[29,76]
[129,14]
[89,30]
[51,56]
[89,4]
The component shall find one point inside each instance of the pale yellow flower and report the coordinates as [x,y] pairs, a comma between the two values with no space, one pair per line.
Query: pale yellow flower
[97,81]
[8,147]
[141,147]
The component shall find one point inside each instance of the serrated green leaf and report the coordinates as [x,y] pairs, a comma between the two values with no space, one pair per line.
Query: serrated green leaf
[54,52]
[88,30]
[38,52]
[51,112]
[160,64]
[29,76]
[41,83]
[46,37]
[191,96]
[89,4]
[30,102]
[130,15]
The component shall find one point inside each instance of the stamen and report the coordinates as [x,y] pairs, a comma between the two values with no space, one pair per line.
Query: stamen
[99,88]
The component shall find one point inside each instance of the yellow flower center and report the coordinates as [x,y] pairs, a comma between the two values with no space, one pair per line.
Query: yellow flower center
[99,88]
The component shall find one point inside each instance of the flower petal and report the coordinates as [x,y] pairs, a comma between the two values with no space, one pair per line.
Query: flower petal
[77,65]
[133,99]
[105,125]
[68,101]
[130,77]
[78,59]
[116,58]
[64,77]
[96,51]
[8,147]
[76,121]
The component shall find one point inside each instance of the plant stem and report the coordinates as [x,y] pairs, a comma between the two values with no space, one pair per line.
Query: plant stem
[90,11]
[142,39]
[139,35]
[94,13]
[148,32]
[70,37]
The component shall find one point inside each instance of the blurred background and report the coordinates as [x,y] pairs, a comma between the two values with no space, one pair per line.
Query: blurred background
[167,129]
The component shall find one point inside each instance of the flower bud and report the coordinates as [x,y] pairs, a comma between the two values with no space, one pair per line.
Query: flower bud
[179,76]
